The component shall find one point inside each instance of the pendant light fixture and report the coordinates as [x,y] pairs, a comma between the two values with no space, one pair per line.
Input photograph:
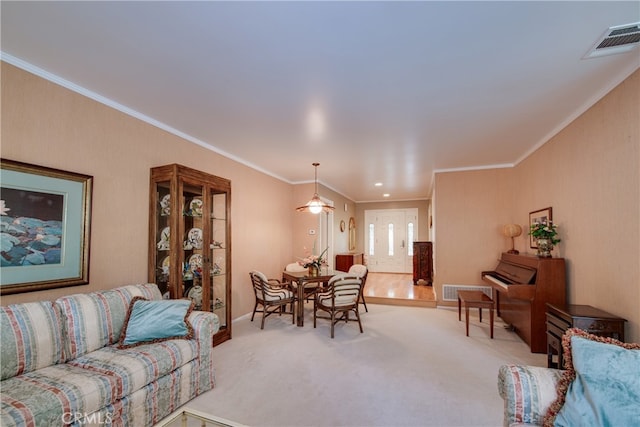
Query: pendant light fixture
[315,205]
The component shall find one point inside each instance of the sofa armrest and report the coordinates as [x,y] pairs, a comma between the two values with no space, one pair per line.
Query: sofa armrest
[527,391]
[205,325]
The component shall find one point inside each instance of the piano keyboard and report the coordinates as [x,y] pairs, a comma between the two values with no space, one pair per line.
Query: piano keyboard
[497,281]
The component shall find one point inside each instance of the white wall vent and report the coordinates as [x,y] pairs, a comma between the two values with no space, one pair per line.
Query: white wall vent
[618,39]
[450,292]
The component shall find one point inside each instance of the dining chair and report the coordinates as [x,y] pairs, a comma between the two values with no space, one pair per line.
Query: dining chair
[272,295]
[310,288]
[340,297]
[361,271]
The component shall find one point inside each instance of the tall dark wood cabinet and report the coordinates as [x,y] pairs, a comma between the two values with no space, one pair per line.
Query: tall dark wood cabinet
[345,261]
[423,263]
[190,240]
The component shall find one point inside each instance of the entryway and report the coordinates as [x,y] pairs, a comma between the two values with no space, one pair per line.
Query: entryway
[397,289]
[388,239]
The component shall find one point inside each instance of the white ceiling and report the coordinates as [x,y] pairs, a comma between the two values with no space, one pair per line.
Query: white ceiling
[374,91]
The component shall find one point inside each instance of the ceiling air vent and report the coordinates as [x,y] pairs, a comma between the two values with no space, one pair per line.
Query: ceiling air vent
[619,39]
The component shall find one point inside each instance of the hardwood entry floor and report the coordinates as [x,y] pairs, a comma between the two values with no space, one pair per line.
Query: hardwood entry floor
[397,289]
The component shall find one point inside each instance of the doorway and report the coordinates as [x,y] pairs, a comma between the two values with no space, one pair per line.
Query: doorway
[325,238]
[388,239]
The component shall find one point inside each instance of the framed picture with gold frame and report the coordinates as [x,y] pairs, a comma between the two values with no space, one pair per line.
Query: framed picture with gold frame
[535,217]
[45,220]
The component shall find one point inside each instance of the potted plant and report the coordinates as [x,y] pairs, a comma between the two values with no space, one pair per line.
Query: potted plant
[546,235]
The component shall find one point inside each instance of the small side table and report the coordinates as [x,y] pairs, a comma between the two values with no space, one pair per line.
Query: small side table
[585,317]
[474,299]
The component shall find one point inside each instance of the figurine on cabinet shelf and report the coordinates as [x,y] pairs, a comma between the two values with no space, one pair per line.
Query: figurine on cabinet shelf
[195,208]
[163,244]
[165,205]
[215,269]
[194,239]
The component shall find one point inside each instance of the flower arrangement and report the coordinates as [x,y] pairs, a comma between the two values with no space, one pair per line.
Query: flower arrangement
[545,230]
[313,260]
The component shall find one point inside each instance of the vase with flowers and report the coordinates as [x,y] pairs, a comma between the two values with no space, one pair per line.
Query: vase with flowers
[546,235]
[314,262]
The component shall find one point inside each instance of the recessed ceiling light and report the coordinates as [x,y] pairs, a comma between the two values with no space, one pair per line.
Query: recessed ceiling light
[378,184]
[385,195]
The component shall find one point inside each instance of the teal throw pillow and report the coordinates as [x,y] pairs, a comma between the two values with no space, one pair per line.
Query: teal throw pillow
[606,388]
[155,321]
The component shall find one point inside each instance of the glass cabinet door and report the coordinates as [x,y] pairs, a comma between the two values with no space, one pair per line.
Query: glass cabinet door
[191,233]
[160,252]
[219,256]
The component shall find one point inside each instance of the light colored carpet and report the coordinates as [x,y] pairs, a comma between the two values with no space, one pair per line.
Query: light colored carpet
[412,366]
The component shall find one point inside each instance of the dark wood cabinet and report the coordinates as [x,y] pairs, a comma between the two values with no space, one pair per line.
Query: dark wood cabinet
[590,319]
[345,261]
[423,263]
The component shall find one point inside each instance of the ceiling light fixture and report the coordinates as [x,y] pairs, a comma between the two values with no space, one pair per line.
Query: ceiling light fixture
[315,205]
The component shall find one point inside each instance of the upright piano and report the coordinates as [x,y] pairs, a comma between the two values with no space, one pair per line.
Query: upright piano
[524,284]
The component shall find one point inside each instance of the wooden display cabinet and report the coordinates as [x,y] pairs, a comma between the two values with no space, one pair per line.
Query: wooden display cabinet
[190,240]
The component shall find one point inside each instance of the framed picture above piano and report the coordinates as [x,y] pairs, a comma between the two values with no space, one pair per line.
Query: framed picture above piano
[535,217]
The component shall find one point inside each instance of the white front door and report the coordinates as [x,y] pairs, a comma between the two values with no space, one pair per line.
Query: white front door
[389,236]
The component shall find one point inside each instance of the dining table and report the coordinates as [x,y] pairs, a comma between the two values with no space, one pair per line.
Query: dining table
[302,279]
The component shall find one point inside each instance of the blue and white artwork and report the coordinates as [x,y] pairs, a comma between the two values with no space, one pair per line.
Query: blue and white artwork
[31,227]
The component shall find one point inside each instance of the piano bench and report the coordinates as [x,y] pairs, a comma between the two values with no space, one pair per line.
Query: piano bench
[475,299]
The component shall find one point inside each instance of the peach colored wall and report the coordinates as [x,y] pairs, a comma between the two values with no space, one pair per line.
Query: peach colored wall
[470,210]
[45,124]
[589,174]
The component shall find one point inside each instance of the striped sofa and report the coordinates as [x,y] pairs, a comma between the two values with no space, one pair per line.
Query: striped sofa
[527,391]
[61,364]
